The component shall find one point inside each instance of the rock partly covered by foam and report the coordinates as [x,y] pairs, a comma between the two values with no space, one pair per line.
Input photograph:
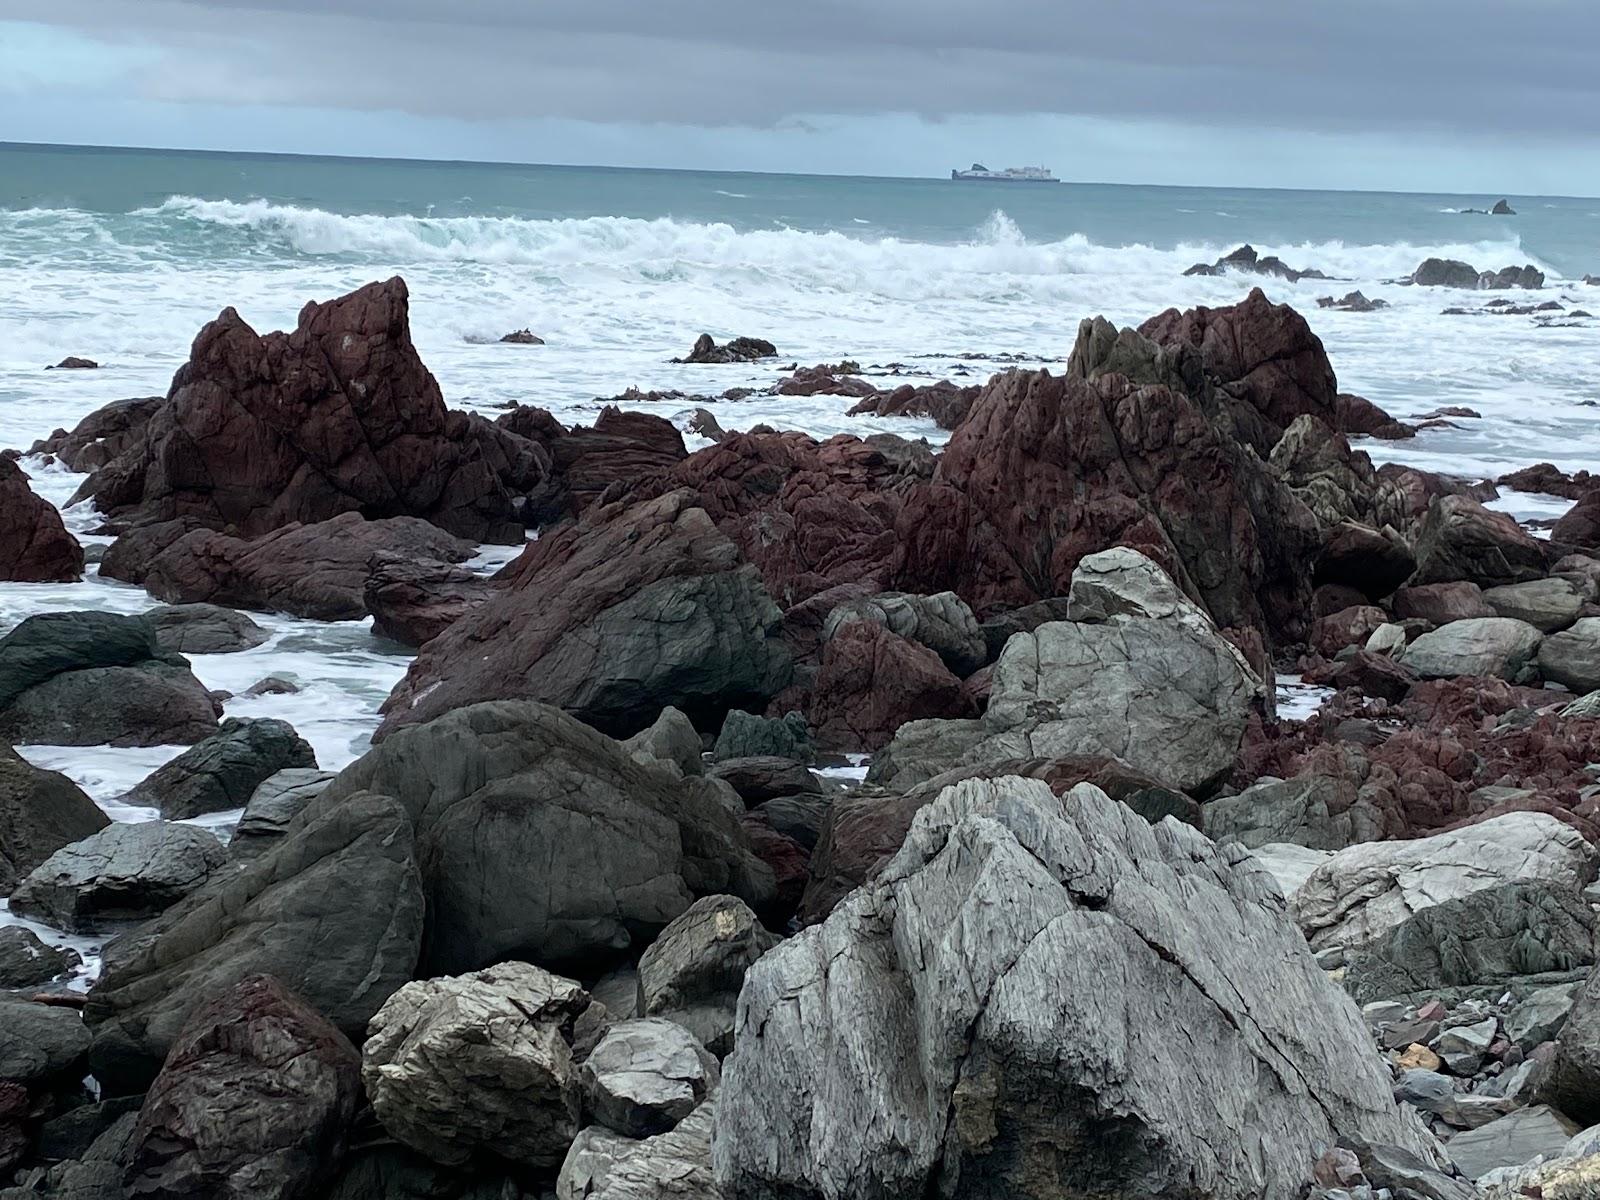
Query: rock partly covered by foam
[1030,972]
[223,771]
[339,415]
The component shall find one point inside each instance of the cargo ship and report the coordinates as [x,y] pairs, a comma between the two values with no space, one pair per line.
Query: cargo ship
[981,174]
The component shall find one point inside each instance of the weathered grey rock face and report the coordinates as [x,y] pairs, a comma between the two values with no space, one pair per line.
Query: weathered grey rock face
[224,770]
[1029,974]
[1498,646]
[123,873]
[943,623]
[95,678]
[25,961]
[391,1172]
[1573,1082]
[273,806]
[1511,1141]
[692,973]
[1363,891]
[922,750]
[41,1041]
[479,1062]
[646,1075]
[290,913]
[253,1101]
[746,736]
[671,740]
[672,1166]
[758,780]
[1460,539]
[1496,936]
[621,848]
[1572,657]
[1317,811]
[205,629]
[1548,605]
[40,812]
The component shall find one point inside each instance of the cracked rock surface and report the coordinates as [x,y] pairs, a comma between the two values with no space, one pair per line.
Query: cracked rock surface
[1045,996]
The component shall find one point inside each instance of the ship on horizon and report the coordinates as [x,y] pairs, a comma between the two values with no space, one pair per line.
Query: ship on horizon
[981,174]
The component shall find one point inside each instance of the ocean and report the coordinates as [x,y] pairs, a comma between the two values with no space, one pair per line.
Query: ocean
[121,256]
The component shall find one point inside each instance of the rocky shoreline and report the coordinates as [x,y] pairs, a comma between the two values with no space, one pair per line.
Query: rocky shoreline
[590,921]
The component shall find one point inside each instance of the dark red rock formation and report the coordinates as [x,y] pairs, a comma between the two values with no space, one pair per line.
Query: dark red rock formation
[1544,477]
[946,403]
[1048,469]
[1441,603]
[1347,627]
[338,416]
[613,618]
[35,546]
[620,448]
[1581,524]
[316,571]
[413,601]
[1357,414]
[871,682]
[831,379]
[102,435]
[1459,539]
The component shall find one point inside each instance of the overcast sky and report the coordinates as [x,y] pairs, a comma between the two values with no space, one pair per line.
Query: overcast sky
[1431,95]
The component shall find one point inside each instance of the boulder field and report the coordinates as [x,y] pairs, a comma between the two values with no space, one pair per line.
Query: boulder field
[608,911]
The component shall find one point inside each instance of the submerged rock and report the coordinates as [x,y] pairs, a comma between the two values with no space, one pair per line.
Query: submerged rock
[739,349]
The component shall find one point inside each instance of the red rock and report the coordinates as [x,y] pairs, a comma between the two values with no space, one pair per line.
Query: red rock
[316,571]
[1375,561]
[1580,526]
[1347,627]
[620,448]
[35,546]
[338,416]
[1441,603]
[102,435]
[413,601]
[790,863]
[1370,674]
[1545,478]
[946,403]
[1357,414]
[871,682]
[1460,539]
[832,379]
[613,618]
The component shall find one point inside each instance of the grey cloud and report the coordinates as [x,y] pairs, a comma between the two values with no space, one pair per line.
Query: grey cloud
[1472,65]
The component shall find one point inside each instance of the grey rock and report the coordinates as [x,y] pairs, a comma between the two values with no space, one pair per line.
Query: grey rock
[589,1162]
[621,848]
[25,961]
[292,913]
[40,812]
[273,807]
[124,873]
[1572,657]
[1387,638]
[922,750]
[1463,1047]
[1318,811]
[1498,646]
[758,780]
[997,630]
[954,1021]
[646,1075]
[1496,936]
[1406,1176]
[692,973]
[619,991]
[74,1133]
[224,770]
[747,736]
[672,739]
[391,1172]
[1365,890]
[1540,1016]
[1428,1091]
[1445,272]
[205,629]
[1289,863]
[943,623]
[479,1062]
[1572,1083]
[801,817]
[41,1043]
[670,1166]
[1584,706]
[254,1101]
[1511,1141]
[1548,605]
[96,678]
[1460,539]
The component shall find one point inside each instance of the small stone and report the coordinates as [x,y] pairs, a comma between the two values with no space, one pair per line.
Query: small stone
[523,337]
[1382,1012]
[1419,1057]
[25,961]
[73,363]
[1433,1010]
[1387,638]
[1403,1033]
[1540,1017]
[1464,1047]
[273,685]
[646,1075]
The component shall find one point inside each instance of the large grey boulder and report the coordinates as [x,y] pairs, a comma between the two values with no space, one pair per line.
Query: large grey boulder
[671,1166]
[334,912]
[97,678]
[205,629]
[943,623]
[1143,676]
[1498,646]
[692,973]
[1511,1140]
[1460,539]
[224,770]
[479,1063]
[124,873]
[273,807]
[671,740]
[646,1075]
[1572,657]
[1526,934]
[1031,973]
[254,1101]
[41,1042]
[1321,812]
[40,812]
[745,735]
[541,838]
[1573,1081]
[1548,605]
[1363,891]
